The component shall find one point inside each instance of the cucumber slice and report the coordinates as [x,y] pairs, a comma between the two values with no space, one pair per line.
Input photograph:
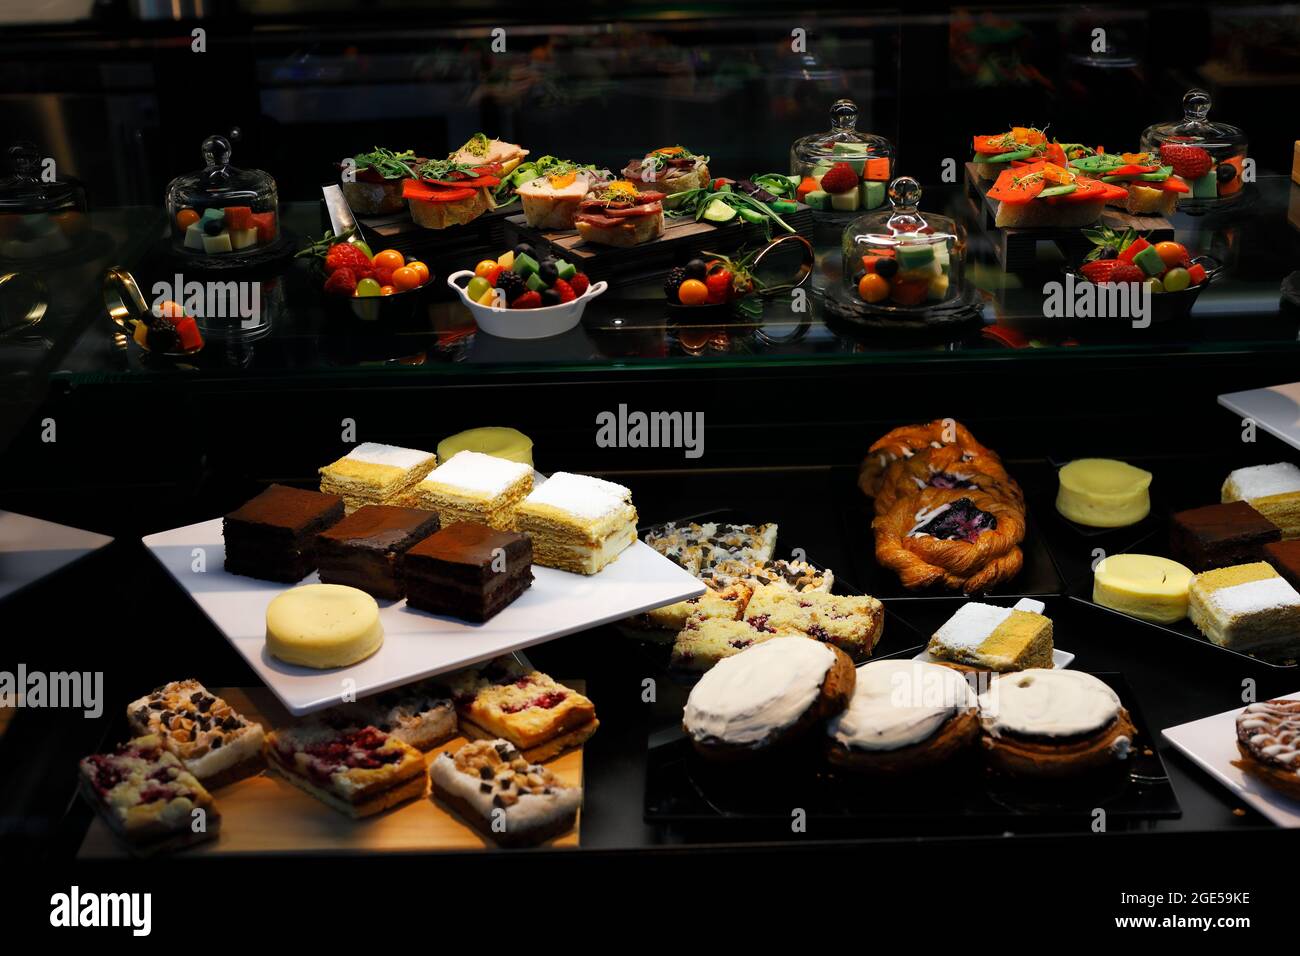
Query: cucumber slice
[752,216]
[783,206]
[719,211]
[1063,190]
[817,199]
[1003,157]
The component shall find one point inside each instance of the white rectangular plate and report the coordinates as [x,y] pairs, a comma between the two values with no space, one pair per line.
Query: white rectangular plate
[1275,409]
[1211,743]
[31,549]
[416,644]
[1060,659]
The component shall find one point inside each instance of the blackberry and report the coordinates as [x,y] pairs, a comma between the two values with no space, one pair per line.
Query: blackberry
[511,284]
[676,276]
[162,335]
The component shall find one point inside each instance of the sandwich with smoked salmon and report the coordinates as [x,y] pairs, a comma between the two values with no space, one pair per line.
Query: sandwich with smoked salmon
[1046,195]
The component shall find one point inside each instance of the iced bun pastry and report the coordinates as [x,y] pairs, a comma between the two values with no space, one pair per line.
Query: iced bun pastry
[1053,723]
[767,695]
[904,716]
[1102,493]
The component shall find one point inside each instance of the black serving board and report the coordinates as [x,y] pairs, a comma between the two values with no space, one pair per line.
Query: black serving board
[682,787]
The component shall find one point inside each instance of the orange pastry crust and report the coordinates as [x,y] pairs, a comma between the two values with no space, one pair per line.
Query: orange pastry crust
[949,466]
[1283,781]
[948,741]
[905,441]
[970,566]
[1037,758]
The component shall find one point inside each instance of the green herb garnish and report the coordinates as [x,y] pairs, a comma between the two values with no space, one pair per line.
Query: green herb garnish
[387,163]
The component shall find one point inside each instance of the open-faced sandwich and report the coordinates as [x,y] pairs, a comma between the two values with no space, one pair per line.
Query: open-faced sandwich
[994,152]
[669,169]
[482,150]
[551,190]
[620,214]
[1152,188]
[372,182]
[1048,195]
[447,192]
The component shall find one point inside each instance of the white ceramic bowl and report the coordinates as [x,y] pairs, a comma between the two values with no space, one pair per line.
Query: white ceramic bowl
[525,323]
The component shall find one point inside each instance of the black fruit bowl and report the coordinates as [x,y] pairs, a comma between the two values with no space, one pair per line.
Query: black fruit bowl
[384,311]
[1166,306]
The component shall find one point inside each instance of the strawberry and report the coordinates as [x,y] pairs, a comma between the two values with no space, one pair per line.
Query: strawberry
[566,291]
[383,275]
[342,281]
[345,255]
[840,178]
[1099,270]
[579,283]
[1125,272]
[529,300]
[1189,162]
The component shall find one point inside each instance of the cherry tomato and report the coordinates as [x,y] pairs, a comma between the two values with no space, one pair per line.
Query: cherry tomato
[719,284]
[1172,254]
[389,258]
[386,290]
[421,268]
[484,266]
[405,278]
[873,287]
[693,292]
[186,218]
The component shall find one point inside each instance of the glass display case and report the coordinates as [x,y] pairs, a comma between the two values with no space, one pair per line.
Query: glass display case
[738,500]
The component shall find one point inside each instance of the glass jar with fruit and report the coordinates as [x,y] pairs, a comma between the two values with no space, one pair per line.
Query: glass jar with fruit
[901,264]
[41,215]
[1209,156]
[222,215]
[842,170]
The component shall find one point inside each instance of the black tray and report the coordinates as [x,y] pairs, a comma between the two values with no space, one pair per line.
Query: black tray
[1045,503]
[682,787]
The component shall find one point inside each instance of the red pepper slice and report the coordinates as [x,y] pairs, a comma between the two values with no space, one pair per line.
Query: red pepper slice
[414,189]
[1132,169]
[479,182]
[1174,184]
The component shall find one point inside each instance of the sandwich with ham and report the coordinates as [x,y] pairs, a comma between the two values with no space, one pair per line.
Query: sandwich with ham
[669,169]
[620,213]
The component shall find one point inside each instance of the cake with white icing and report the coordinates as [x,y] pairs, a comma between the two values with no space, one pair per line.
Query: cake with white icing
[1246,607]
[992,638]
[1272,490]
[578,523]
[474,487]
[375,474]
[768,694]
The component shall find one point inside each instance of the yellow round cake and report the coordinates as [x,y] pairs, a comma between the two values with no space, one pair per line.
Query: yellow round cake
[1102,493]
[1144,585]
[508,443]
[323,625]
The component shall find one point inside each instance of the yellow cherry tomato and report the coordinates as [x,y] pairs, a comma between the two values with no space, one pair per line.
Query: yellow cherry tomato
[405,278]
[386,290]
[873,288]
[693,292]
[389,258]
[186,218]
[423,270]
[484,267]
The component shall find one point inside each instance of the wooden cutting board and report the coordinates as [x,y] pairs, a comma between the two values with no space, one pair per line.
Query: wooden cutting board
[267,815]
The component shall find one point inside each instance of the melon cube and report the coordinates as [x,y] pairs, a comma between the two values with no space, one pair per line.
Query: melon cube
[194,236]
[214,245]
[243,238]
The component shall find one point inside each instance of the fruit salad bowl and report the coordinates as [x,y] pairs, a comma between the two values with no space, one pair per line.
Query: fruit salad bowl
[1171,306]
[534,323]
[393,309]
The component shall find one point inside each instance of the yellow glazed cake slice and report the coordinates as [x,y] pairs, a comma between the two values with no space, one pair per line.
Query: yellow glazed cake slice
[987,637]
[374,474]
[1272,490]
[473,487]
[577,523]
[1247,607]
[1143,585]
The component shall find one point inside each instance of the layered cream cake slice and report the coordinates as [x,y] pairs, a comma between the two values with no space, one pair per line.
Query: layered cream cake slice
[990,638]
[375,474]
[577,523]
[1247,607]
[1272,490]
[471,486]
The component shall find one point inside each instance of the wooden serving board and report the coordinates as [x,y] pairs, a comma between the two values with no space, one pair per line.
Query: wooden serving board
[1016,247]
[265,814]
[682,239]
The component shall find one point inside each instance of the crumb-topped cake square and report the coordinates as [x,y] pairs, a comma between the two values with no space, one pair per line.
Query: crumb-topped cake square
[578,523]
[421,714]
[534,712]
[852,623]
[781,574]
[375,474]
[699,547]
[703,641]
[471,486]
[727,602]
[212,740]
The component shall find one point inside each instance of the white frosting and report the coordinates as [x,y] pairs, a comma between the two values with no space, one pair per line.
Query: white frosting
[1260,481]
[1254,596]
[1047,703]
[971,625]
[762,690]
[581,495]
[899,703]
[530,811]
[476,471]
[1274,729]
[924,517]
[376,454]
[1030,606]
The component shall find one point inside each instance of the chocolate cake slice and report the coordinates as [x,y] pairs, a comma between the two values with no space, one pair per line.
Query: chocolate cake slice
[366,548]
[1218,536]
[468,570]
[273,536]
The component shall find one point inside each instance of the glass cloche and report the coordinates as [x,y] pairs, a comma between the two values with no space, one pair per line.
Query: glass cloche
[41,214]
[1210,156]
[843,170]
[220,211]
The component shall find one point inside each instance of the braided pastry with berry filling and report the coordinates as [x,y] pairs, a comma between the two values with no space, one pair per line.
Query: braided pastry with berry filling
[949,466]
[961,538]
[905,441]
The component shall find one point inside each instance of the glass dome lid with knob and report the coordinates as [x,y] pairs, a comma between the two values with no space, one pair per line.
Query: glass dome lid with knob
[858,165]
[221,214]
[903,260]
[1210,156]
